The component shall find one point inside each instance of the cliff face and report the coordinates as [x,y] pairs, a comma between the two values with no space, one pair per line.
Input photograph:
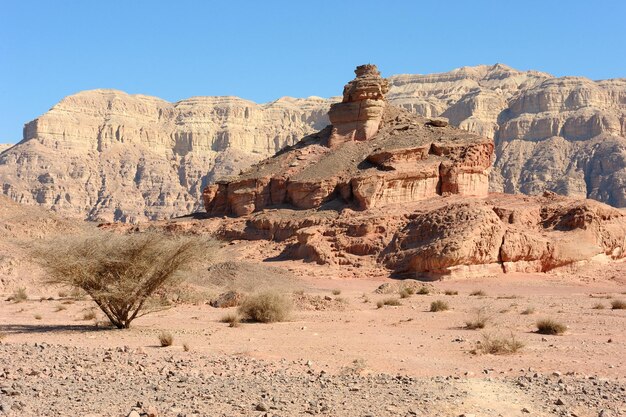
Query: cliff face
[108,155]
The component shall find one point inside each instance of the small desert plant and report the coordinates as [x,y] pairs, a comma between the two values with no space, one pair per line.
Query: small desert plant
[121,273]
[618,304]
[451,292]
[388,302]
[2,336]
[265,307]
[528,311]
[166,339]
[356,367]
[478,293]
[439,305]
[232,319]
[424,290]
[479,322]
[406,292]
[63,293]
[38,317]
[336,291]
[186,347]
[550,326]
[60,308]
[499,345]
[598,306]
[19,295]
[89,315]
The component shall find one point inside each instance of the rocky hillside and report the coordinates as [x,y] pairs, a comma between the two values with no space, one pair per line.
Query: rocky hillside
[108,155]
[383,186]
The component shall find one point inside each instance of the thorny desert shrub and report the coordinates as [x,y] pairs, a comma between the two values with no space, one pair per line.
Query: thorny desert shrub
[618,304]
[18,295]
[388,302]
[265,307]
[451,292]
[121,273]
[550,326]
[479,322]
[232,319]
[439,305]
[166,339]
[499,345]
[478,293]
[528,311]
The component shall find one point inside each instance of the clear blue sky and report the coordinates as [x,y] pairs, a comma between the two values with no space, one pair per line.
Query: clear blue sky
[261,50]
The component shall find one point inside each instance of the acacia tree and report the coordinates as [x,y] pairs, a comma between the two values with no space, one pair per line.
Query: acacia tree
[121,273]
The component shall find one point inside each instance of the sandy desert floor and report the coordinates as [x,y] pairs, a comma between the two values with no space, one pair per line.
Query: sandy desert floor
[346,358]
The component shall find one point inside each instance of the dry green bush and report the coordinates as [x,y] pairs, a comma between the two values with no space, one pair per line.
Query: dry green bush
[618,304]
[336,292]
[166,339]
[528,311]
[550,326]
[232,319]
[478,293]
[499,345]
[598,306]
[19,295]
[121,273]
[265,307]
[451,292]
[439,305]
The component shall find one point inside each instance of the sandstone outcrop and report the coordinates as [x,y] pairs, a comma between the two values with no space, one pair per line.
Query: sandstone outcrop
[360,113]
[380,157]
[412,197]
[107,155]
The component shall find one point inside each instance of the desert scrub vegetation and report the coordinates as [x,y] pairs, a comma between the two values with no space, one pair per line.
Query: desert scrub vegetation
[424,290]
[232,319]
[598,306]
[479,322]
[498,344]
[618,304]
[388,302]
[166,339]
[406,292]
[89,315]
[451,292]
[121,273]
[550,326]
[336,291]
[265,307]
[478,293]
[439,305]
[19,295]
[528,311]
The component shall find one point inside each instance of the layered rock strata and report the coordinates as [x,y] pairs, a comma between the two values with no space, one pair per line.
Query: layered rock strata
[407,160]
[360,113]
[412,197]
[108,155]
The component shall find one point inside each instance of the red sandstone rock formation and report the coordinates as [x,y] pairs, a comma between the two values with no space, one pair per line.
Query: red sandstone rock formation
[409,193]
[360,113]
[375,158]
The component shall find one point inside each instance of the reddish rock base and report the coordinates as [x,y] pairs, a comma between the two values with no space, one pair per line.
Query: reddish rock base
[443,236]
